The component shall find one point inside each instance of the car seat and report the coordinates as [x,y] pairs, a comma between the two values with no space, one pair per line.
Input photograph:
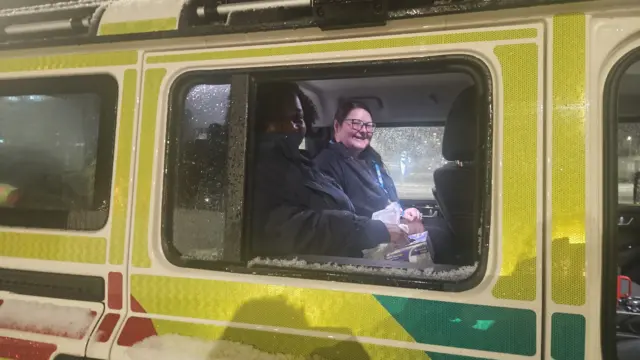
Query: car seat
[455,182]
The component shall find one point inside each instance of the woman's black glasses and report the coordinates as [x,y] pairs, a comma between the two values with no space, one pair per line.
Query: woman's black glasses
[358,124]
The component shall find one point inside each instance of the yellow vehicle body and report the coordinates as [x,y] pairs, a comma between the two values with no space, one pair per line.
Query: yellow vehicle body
[538,296]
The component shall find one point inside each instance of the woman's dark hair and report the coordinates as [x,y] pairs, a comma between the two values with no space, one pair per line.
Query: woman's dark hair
[344,108]
[270,96]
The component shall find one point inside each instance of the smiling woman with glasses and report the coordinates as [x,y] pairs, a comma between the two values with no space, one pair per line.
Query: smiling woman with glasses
[358,168]
[358,125]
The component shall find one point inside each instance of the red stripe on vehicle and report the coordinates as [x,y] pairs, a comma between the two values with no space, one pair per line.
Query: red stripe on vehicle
[135,330]
[114,291]
[136,306]
[108,324]
[25,350]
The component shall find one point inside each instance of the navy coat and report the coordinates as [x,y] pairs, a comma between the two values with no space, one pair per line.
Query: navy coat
[298,210]
[358,178]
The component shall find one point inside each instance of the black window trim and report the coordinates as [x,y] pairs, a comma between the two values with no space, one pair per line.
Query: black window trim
[243,99]
[107,88]
[610,203]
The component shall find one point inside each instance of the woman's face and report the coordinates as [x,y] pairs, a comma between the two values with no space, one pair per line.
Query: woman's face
[290,120]
[356,130]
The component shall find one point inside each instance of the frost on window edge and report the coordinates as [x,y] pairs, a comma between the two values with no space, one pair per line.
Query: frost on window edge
[457,274]
[203,255]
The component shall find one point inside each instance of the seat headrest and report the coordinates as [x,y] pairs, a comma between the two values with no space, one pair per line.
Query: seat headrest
[459,142]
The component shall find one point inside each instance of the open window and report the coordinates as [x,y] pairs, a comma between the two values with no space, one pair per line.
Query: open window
[622,210]
[429,124]
[56,151]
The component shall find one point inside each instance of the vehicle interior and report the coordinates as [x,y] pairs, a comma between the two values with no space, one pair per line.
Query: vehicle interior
[628,318]
[53,164]
[411,114]
[418,104]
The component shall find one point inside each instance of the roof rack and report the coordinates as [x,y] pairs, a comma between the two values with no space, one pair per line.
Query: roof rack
[326,14]
[225,9]
[333,14]
[46,19]
[40,23]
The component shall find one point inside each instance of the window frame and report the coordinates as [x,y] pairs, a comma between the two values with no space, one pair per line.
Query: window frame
[635,208]
[107,88]
[242,116]
[611,205]
[178,94]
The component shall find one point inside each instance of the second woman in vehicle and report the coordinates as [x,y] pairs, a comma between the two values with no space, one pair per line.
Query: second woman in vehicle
[357,167]
[297,210]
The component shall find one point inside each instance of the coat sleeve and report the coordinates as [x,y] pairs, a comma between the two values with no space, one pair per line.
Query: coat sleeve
[329,164]
[289,228]
[325,232]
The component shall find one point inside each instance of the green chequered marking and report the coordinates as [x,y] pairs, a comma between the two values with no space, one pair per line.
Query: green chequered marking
[457,325]
[477,327]
[136,27]
[568,333]
[368,44]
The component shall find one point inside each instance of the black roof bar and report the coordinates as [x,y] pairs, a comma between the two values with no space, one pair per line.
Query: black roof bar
[60,22]
[226,9]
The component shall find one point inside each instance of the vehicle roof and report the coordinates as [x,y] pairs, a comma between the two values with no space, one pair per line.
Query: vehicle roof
[39,23]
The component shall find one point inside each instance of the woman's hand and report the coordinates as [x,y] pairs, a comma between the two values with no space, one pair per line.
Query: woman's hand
[415,227]
[412,215]
[397,236]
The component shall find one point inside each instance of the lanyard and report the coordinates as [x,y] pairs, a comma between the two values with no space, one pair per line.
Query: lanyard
[376,166]
[379,173]
[380,181]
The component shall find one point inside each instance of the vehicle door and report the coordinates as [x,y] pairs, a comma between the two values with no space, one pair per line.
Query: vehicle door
[66,140]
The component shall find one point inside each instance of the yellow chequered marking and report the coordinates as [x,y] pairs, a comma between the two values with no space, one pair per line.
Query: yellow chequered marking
[273,305]
[519,171]
[136,27]
[123,167]
[368,44]
[69,61]
[299,345]
[568,285]
[152,82]
[79,249]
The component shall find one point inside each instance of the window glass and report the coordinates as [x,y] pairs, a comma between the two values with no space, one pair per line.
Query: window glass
[628,160]
[323,213]
[411,154]
[48,146]
[627,330]
[57,139]
[198,214]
